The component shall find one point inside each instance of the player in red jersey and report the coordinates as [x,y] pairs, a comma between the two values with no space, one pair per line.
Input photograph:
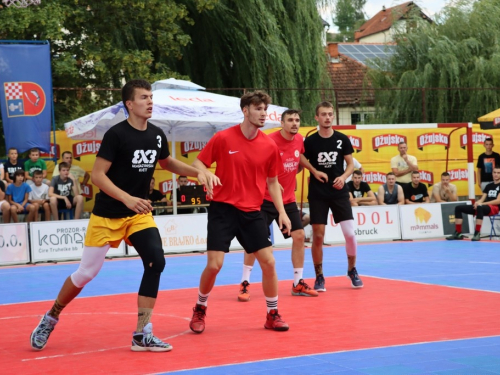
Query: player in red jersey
[246,159]
[290,145]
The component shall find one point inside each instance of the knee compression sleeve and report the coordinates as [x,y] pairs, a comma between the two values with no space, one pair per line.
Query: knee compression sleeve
[350,238]
[147,242]
[90,265]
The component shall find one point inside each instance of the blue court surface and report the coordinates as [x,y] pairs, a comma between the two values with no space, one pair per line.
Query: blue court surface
[461,265]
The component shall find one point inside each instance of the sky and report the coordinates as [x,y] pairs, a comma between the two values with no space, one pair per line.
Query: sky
[372,7]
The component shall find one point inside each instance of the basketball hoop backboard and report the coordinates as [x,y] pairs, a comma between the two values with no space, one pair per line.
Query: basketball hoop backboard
[20,3]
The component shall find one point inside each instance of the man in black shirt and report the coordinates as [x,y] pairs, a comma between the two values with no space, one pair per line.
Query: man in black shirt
[122,171]
[415,192]
[360,193]
[155,196]
[488,205]
[325,152]
[486,162]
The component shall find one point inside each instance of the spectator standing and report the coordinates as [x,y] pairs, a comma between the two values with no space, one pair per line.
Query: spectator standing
[39,195]
[486,162]
[60,193]
[390,192]
[403,165]
[75,172]
[415,191]
[34,163]
[444,191]
[360,193]
[11,166]
[4,204]
[17,195]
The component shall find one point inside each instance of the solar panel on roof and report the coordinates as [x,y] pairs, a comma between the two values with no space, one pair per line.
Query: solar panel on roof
[363,52]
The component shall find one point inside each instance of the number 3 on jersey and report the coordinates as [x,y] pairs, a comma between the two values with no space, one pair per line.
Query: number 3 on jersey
[159,141]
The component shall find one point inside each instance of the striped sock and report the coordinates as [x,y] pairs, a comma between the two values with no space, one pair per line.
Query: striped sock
[202,298]
[272,303]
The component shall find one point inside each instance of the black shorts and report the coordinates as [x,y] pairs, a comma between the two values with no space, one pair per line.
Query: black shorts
[341,210]
[271,213]
[226,222]
[61,203]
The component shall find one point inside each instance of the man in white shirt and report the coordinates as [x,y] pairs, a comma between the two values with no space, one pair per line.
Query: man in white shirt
[75,172]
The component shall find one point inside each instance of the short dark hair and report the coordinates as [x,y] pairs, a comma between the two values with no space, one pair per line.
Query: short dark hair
[323,105]
[255,98]
[415,172]
[488,139]
[182,176]
[38,172]
[357,172]
[34,149]
[402,143]
[290,112]
[19,172]
[63,165]
[390,174]
[66,152]
[129,89]
[445,174]
[12,148]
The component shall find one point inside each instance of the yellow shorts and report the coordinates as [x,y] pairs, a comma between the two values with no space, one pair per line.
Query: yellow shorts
[103,230]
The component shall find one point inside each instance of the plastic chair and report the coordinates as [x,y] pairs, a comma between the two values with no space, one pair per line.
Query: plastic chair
[67,214]
[492,220]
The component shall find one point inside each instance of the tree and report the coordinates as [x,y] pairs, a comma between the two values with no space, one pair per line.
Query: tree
[455,60]
[348,17]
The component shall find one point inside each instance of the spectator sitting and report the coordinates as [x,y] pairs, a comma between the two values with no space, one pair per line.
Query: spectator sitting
[60,193]
[39,195]
[403,164]
[390,192]
[181,181]
[11,165]
[34,163]
[75,172]
[444,191]
[155,196]
[4,204]
[357,165]
[17,195]
[358,189]
[415,192]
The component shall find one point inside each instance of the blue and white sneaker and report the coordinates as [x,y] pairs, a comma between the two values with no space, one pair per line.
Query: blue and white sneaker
[145,341]
[354,277]
[40,335]
[319,284]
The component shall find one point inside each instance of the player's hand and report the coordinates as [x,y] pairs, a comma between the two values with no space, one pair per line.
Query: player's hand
[138,205]
[338,183]
[321,176]
[210,180]
[476,204]
[285,223]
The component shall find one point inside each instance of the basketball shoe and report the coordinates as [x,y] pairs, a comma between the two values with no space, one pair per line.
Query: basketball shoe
[302,289]
[354,277]
[40,335]
[274,321]
[319,284]
[145,341]
[197,323]
[244,295]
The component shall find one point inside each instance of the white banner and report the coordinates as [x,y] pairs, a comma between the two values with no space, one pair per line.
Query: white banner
[14,247]
[421,221]
[183,233]
[62,240]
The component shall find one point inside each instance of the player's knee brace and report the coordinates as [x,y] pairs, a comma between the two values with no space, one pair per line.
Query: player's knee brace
[153,267]
[351,245]
[90,265]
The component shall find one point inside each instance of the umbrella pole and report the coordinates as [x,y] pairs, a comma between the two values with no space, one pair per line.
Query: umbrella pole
[174,177]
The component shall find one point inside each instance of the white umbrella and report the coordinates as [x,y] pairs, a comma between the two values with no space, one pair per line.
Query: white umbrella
[173,83]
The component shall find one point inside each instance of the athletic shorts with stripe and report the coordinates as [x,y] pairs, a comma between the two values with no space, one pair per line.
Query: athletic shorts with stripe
[225,222]
[271,213]
[341,210]
[103,230]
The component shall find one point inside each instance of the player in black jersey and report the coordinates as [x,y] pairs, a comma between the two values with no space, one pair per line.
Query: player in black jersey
[325,152]
[123,170]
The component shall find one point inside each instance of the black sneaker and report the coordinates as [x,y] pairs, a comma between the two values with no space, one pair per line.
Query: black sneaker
[476,237]
[455,236]
[40,335]
[319,284]
[354,277]
[145,341]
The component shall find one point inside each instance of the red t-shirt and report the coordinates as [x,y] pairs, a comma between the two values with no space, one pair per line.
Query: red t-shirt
[243,166]
[290,155]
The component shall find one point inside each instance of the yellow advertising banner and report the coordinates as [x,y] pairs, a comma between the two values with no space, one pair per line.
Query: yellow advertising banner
[372,148]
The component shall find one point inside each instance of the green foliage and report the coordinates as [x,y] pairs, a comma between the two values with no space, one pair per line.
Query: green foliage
[348,17]
[459,54]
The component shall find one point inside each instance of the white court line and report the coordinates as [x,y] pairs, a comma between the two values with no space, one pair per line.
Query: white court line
[106,349]
[326,353]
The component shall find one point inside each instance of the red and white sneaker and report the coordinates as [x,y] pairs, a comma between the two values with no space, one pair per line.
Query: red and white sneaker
[275,322]
[197,323]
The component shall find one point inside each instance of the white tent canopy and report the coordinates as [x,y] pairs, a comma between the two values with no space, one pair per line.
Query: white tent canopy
[183,114]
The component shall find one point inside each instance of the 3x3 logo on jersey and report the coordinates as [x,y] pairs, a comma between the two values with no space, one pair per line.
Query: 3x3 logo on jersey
[144,159]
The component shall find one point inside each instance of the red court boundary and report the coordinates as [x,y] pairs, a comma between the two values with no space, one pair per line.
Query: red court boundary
[94,333]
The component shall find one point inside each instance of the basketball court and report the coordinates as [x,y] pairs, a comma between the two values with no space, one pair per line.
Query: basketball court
[428,307]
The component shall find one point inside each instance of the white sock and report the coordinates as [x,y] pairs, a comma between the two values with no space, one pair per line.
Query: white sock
[297,275]
[202,298]
[246,273]
[272,303]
